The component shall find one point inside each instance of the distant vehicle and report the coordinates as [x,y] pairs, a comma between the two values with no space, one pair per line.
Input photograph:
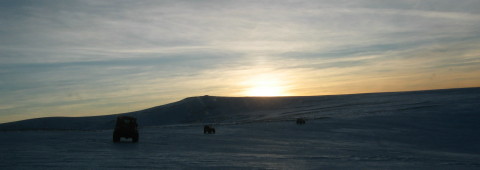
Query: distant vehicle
[208,129]
[125,127]
[300,121]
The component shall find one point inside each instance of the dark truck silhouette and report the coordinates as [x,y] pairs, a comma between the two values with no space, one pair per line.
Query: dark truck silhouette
[125,127]
[300,121]
[208,129]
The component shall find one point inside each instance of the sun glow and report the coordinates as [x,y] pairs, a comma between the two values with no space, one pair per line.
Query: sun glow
[265,86]
[265,91]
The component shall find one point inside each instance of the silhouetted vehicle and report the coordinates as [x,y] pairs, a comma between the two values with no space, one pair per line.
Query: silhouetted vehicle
[300,121]
[125,127]
[208,129]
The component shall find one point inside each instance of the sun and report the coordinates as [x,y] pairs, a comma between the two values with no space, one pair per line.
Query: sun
[265,91]
[265,86]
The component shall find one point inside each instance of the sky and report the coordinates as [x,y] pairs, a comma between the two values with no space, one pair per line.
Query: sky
[95,57]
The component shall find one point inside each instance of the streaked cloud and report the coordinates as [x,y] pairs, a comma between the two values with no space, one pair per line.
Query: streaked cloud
[73,58]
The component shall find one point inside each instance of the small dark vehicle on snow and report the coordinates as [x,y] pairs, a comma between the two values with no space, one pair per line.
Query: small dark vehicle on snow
[125,127]
[300,121]
[208,129]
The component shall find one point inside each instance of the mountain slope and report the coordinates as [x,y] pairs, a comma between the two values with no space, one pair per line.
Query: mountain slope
[212,109]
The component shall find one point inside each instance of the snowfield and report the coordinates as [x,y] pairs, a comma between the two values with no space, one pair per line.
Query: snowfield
[437,129]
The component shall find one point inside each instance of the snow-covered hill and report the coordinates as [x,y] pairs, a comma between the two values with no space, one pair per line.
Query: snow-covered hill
[232,110]
[409,130]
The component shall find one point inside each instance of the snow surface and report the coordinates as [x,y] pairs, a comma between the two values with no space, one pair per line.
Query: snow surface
[409,130]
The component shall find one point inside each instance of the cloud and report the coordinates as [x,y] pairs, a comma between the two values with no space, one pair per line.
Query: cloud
[101,57]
